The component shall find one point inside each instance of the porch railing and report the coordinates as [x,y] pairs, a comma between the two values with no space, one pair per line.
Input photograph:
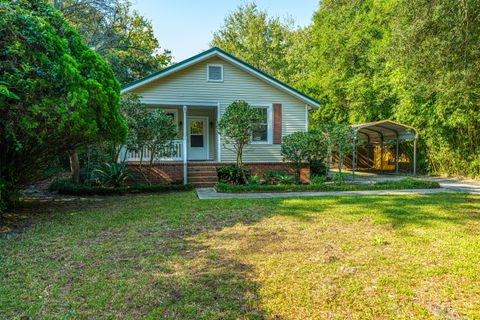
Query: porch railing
[173,152]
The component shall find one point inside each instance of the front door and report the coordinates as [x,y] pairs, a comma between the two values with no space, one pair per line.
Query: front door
[197,138]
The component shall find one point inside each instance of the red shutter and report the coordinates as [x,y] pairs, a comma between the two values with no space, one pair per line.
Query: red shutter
[277,123]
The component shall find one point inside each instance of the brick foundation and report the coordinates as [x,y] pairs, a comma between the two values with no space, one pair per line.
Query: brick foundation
[159,173]
[172,172]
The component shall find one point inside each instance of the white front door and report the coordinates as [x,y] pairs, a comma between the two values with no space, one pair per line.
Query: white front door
[197,138]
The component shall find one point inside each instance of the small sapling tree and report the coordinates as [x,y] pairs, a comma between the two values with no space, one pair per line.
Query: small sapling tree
[236,127]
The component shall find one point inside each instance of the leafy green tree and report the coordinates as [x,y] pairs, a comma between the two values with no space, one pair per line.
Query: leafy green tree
[236,126]
[338,139]
[301,147]
[349,70]
[151,130]
[67,94]
[250,34]
[119,34]
[436,55]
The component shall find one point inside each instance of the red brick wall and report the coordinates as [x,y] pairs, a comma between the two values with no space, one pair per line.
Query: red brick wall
[157,173]
[173,172]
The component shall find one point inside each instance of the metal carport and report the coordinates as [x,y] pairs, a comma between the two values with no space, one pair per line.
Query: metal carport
[380,132]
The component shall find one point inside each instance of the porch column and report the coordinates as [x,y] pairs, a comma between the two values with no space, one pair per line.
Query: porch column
[415,156]
[219,138]
[184,145]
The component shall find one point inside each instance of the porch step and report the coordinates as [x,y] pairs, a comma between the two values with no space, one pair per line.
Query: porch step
[202,175]
[201,168]
[202,179]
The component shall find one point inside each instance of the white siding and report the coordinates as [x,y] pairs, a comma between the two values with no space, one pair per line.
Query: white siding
[191,85]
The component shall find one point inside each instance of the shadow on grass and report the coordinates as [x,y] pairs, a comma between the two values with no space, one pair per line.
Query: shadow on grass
[143,256]
[125,257]
[397,211]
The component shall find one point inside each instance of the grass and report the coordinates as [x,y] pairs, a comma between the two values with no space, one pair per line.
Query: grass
[173,256]
[406,183]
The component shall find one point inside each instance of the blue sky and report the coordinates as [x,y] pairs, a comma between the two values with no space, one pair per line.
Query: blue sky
[186,26]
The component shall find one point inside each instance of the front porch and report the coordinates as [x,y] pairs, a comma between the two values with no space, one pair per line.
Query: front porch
[197,142]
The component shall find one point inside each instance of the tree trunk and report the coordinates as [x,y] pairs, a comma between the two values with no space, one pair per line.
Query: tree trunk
[74,165]
[298,173]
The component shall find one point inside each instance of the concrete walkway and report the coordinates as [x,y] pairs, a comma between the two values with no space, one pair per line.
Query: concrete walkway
[447,185]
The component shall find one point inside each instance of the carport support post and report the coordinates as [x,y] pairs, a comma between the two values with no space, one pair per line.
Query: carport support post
[396,158]
[381,155]
[415,156]
[354,156]
[184,144]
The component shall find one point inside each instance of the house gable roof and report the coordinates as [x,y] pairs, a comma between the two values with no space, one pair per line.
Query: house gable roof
[228,57]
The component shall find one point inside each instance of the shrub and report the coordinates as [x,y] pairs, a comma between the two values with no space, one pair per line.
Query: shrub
[285,180]
[318,180]
[271,176]
[317,167]
[407,183]
[302,147]
[255,179]
[112,174]
[232,174]
[67,187]
[338,179]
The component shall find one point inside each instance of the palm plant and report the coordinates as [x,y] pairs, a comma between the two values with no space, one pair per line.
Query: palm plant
[112,174]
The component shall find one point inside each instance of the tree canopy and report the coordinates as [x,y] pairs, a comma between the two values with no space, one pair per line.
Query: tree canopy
[250,34]
[123,37]
[415,62]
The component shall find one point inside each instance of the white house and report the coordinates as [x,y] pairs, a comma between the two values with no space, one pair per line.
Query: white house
[197,91]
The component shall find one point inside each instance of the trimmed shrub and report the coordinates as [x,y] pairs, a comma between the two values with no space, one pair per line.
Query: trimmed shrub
[407,183]
[67,187]
[317,168]
[318,180]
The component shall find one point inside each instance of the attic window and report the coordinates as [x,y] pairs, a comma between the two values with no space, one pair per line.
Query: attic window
[215,72]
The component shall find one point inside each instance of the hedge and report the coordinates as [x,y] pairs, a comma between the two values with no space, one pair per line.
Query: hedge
[406,183]
[67,187]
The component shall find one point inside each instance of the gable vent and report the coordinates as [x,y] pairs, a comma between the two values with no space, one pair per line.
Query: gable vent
[215,72]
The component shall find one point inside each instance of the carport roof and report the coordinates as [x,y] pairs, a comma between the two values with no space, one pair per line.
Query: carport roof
[375,132]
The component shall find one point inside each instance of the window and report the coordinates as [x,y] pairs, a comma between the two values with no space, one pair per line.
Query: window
[261,132]
[215,72]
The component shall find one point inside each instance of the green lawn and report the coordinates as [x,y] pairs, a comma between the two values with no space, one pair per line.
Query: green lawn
[176,257]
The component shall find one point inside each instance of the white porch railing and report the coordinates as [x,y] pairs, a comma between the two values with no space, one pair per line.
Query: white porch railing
[174,152]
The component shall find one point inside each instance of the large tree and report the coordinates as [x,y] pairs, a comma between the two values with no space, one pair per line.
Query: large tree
[123,37]
[348,61]
[250,34]
[66,94]
[436,54]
